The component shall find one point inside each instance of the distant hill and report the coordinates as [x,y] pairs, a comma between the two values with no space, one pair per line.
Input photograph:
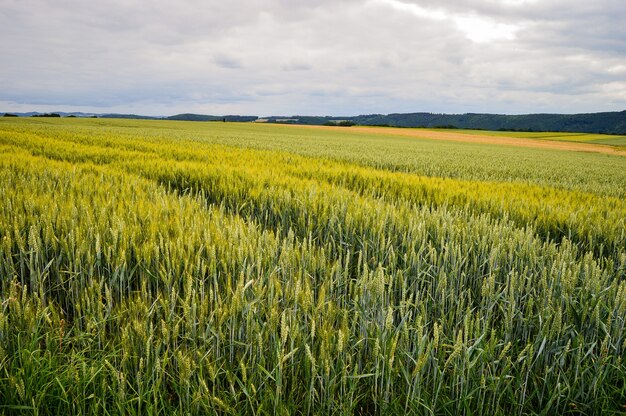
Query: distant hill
[61,113]
[606,123]
[131,116]
[203,117]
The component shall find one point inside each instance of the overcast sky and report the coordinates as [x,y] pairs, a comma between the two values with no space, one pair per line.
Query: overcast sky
[334,57]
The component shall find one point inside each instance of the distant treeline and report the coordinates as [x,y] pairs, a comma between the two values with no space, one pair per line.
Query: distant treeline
[202,117]
[606,123]
[47,115]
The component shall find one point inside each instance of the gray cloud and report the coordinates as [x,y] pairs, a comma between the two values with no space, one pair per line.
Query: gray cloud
[324,57]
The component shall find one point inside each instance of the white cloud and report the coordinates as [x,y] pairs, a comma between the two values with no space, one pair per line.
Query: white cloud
[476,28]
[518,2]
[482,30]
[416,9]
[324,57]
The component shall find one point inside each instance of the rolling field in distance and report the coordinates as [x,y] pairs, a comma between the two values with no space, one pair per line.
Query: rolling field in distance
[163,267]
[614,140]
[546,141]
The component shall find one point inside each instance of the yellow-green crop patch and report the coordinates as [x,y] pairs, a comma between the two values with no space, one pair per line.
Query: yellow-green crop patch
[558,136]
[206,268]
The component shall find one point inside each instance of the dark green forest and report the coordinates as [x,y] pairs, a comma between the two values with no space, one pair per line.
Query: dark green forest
[603,123]
[606,123]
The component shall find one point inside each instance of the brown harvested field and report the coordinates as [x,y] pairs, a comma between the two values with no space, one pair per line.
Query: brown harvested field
[477,138]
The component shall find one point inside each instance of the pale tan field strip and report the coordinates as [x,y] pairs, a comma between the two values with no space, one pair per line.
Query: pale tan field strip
[475,138]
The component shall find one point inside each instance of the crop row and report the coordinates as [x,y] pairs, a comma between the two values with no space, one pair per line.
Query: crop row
[140,276]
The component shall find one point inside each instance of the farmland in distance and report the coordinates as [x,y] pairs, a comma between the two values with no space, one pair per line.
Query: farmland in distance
[201,268]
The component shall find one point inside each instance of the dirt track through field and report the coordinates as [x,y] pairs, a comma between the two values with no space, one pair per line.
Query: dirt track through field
[484,139]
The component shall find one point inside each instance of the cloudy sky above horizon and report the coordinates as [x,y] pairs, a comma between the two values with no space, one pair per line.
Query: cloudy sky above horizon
[327,57]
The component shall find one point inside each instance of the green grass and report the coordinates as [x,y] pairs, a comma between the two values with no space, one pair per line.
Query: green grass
[617,141]
[597,173]
[153,267]
[558,136]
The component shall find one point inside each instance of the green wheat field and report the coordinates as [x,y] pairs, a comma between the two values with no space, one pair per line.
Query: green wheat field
[163,267]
